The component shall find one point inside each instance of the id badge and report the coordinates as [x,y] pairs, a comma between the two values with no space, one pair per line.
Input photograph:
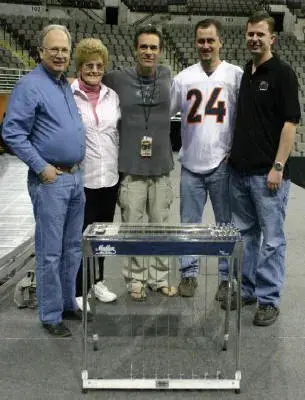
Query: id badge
[146,146]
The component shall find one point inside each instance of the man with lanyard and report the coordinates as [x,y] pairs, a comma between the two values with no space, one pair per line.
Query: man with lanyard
[145,156]
[44,129]
[267,114]
[206,95]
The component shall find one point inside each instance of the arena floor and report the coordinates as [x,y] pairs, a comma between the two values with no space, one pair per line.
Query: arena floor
[34,366]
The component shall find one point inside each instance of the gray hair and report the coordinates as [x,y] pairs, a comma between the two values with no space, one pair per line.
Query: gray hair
[53,27]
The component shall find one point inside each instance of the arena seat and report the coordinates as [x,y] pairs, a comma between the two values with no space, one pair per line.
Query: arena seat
[179,40]
[195,7]
[9,61]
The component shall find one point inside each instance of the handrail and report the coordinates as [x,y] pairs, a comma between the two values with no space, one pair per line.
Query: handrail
[143,19]
[9,77]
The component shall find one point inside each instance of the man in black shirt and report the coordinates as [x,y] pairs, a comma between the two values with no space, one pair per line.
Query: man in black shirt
[267,114]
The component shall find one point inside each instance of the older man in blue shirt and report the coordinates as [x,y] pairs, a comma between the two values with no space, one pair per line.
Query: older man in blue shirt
[44,129]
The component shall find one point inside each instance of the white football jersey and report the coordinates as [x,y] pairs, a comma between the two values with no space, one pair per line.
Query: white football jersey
[207,105]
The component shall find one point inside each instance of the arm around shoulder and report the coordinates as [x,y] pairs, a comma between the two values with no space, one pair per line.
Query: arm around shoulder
[109,79]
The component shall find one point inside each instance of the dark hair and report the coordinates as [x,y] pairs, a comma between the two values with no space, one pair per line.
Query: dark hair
[262,15]
[150,30]
[206,23]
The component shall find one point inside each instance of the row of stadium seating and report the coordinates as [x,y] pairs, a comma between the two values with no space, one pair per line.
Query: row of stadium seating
[31,2]
[212,7]
[181,37]
[179,40]
[96,4]
[119,40]
[150,6]
[207,7]
[8,60]
[195,7]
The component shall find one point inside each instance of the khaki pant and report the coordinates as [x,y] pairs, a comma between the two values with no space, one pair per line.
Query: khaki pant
[140,196]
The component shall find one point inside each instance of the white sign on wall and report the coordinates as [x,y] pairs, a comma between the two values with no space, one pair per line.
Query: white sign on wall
[38,9]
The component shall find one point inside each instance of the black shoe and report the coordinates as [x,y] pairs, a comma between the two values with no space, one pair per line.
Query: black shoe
[187,287]
[59,330]
[76,315]
[245,301]
[222,291]
[265,315]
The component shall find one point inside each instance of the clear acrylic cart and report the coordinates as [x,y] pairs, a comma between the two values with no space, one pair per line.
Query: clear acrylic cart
[121,239]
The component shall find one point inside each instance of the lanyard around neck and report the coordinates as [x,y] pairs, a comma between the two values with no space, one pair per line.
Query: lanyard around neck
[147,101]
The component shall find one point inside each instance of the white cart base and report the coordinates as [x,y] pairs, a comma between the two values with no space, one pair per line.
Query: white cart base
[161,384]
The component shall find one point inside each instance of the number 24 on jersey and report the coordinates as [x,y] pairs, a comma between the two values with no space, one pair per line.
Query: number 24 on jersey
[213,106]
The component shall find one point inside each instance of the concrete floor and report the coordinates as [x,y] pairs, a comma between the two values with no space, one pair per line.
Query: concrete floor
[179,336]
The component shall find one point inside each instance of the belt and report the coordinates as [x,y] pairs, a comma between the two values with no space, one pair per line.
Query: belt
[66,168]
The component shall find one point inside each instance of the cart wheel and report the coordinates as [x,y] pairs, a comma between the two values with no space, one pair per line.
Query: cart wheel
[237,391]
[95,341]
[84,391]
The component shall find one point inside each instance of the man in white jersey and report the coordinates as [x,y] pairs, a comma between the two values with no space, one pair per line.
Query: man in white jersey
[205,94]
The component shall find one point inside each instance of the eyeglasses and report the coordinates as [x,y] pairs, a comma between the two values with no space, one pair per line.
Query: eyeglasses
[91,66]
[56,50]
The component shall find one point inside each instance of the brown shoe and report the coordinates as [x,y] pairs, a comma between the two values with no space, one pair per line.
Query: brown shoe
[138,293]
[187,286]
[221,294]
[169,291]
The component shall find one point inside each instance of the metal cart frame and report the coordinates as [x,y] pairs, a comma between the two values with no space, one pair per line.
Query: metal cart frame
[220,242]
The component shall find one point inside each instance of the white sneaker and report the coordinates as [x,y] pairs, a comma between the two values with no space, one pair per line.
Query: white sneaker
[79,302]
[103,294]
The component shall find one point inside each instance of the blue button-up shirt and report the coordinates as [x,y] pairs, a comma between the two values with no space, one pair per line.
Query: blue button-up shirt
[42,123]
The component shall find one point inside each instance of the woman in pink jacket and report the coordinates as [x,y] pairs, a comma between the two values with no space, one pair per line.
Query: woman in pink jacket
[99,108]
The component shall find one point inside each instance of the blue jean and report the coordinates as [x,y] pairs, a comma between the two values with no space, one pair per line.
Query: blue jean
[259,214]
[194,191]
[59,212]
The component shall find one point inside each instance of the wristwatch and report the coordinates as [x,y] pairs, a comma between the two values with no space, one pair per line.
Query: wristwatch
[278,166]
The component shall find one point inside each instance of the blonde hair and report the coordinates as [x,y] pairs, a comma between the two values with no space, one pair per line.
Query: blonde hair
[89,48]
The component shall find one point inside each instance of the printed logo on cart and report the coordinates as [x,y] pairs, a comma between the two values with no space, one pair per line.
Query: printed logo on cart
[105,250]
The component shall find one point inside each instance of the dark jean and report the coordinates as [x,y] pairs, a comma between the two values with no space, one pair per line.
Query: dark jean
[100,207]
[59,212]
[259,214]
[194,192]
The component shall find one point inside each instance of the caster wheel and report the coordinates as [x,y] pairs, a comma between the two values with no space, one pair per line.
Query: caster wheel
[95,341]
[237,391]
[84,391]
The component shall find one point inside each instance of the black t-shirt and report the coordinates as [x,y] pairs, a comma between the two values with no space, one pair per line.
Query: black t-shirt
[267,99]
